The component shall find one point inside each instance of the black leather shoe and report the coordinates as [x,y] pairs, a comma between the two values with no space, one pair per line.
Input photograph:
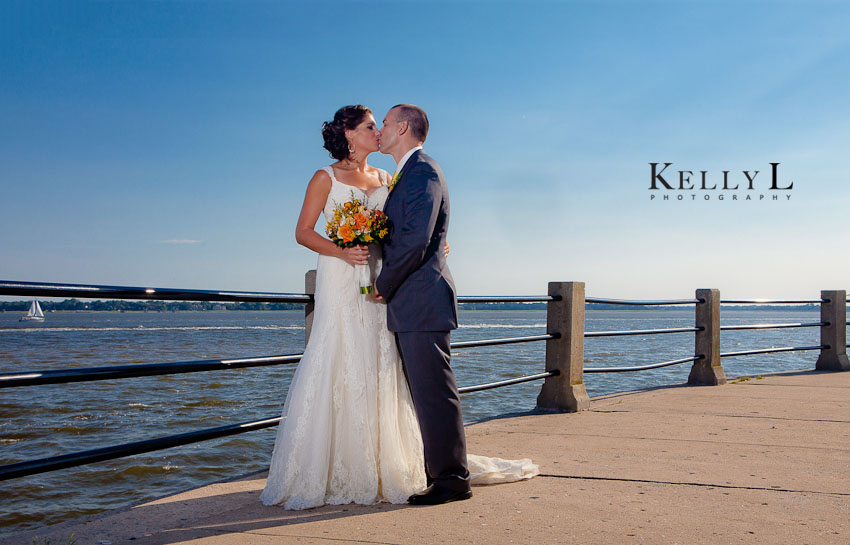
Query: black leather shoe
[437,494]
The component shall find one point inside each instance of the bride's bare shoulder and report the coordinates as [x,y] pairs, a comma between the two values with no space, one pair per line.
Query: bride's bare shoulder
[320,182]
[321,176]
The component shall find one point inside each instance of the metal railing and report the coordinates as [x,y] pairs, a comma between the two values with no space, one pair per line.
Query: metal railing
[628,302]
[89,291]
[562,365]
[64,461]
[773,350]
[657,331]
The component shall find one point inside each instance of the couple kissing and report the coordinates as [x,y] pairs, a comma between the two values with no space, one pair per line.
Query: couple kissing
[373,412]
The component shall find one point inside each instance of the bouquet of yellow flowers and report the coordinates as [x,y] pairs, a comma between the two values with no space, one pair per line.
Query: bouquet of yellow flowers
[354,223]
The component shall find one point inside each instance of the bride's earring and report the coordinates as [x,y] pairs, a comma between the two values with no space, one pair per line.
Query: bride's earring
[350,149]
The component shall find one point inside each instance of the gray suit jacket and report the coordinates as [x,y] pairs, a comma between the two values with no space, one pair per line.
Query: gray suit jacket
[415,279]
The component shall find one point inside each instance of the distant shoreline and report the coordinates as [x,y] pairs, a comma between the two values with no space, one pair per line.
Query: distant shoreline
[15,307]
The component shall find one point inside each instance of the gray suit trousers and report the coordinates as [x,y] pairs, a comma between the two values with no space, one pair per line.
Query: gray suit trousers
[426,356]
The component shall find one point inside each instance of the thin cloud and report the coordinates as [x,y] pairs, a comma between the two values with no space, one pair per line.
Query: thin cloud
[180,241]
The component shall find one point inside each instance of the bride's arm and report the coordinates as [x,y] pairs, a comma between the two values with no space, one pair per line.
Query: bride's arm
[305,230]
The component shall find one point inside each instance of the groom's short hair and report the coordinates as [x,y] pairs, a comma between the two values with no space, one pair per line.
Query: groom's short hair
[416,119]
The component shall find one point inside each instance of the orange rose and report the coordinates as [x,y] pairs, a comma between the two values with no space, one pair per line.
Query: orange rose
[346,233]
[359,221]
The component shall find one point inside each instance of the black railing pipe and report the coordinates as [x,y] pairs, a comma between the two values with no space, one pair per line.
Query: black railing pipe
[97,291]
[94,291]
[508,299]
[770,326]
[771,350]
[771,301]
[42,465]
[508,382]
[633,302]
[641,332]
[86,374]
[640,367]
[507,340]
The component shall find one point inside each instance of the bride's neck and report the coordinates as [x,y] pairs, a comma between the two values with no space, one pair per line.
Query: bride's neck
[354,163]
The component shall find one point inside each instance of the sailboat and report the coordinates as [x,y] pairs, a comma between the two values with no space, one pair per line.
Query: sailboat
[34,315]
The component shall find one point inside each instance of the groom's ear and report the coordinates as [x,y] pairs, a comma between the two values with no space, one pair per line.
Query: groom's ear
[403,127]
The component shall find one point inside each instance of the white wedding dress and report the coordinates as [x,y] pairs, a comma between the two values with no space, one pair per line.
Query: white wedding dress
[350,432]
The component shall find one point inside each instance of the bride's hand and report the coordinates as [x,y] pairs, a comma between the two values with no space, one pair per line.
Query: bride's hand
[355,255]
[446,249]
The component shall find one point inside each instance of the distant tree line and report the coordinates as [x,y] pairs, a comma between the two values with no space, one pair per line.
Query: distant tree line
[163,306]
[608,306]
[143,306]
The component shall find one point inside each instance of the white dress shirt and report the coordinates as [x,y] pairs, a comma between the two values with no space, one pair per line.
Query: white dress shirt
[404,159]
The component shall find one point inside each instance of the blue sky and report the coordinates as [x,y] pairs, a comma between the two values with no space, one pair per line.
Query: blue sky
[170,143]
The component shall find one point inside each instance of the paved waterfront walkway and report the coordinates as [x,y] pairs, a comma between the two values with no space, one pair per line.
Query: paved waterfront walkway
[764,460]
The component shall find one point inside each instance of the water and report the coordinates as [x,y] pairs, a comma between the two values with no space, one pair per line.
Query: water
[41,421]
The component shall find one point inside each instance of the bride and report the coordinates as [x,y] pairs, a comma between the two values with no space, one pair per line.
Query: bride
[350,432]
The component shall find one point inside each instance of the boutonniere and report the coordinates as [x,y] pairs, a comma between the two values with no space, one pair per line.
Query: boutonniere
[394,181]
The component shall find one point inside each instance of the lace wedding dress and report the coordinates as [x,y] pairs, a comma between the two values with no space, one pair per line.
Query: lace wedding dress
[350,432]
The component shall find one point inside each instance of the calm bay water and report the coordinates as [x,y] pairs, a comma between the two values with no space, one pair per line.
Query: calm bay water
[41,421]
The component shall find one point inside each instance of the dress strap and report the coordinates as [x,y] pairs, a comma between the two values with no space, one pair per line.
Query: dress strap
[330,170]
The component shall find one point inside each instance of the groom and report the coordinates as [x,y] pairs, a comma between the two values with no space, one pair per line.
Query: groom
[421,304]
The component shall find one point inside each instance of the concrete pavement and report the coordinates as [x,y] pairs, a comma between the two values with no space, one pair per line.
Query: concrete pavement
[764,460]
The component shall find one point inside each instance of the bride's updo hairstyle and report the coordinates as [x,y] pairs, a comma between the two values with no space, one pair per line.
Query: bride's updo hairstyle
[347,117]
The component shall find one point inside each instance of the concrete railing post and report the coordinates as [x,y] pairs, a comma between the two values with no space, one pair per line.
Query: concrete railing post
[708,370]
[310,289]
[833,310]
[565,391]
